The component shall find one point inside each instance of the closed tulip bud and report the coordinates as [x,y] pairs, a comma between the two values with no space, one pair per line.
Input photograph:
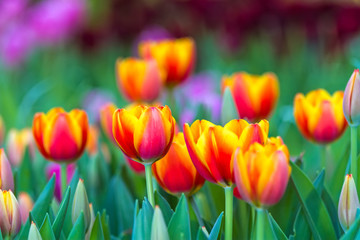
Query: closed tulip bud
[210,146]
[175,172]
[138,168]
[144,133]
[92,220]
[26,204]
[255,96]
[81,204]
[106,120]
[17,143]
[10,218]
[262,172]
[92,142]
[348,203]
[61,136]
[319,116]
[34,233]
[176,57]
[139,80]
[2,131]
[6,175]
[351,104]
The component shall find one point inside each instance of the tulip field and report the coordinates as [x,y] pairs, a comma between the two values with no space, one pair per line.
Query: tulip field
[175,132]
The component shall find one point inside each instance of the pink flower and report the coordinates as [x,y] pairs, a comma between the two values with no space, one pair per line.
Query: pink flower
[55,168]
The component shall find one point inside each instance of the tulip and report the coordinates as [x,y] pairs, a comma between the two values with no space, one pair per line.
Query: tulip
[6,175]
[106,120]
[26,204]
[210,147]
[139,80]
[10,218]
[348,203]
[81,204]
[175,172]
[262,172]
[17,143]
[319,115]
[255,96]
[56,168]
[92,142]
[351,103]
[34,233]
[2,131]
[175,57]
[61,136]
[138,168]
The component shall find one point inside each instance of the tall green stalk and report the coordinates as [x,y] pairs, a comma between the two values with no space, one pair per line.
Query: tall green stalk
[63,178]
[229,199]
[354,171]
[260,224]
[149,184]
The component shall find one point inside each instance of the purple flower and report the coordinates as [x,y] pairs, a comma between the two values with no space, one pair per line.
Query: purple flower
[94,101]
[56,168]
[10,11]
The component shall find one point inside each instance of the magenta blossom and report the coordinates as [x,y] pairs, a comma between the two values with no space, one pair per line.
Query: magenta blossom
[10,12]
[56,168]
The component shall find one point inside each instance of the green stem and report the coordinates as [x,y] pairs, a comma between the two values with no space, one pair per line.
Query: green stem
[149,185]
[260,224]
[228,212]
[196,210]
[63,178]
[354,153]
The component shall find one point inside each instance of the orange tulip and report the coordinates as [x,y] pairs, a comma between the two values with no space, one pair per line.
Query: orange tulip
[61,136]
[262,172]
[175,172]
[319,116]
[106,118]
[211,147]
[175,57]
[17,142]
[144,133]
[138,79]
[255,96]
[92,142]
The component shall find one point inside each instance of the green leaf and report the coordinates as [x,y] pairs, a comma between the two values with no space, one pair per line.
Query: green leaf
[228,108]
[202,234]
[34,233]
[179,225]
[97,230]
[158,226]
[330,206]
[164,206]
[60,217]
[78,230]
[25,174]
[280,235]
[216,228]
[142,226]
[315,211]
[46,230]
[354,230]
[105,225]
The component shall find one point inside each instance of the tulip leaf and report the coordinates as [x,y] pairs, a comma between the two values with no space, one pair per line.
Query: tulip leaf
[329,203]
[202,234]
[34,233]
[179,225]
[280,235]
[97,232]
[105,225]
[78,230]
[60,217]
[25,175]
[142,226]
[164,206]
[46,230]
[228,108]
[313,207]
[216,228]
[158,226]
[40,208]
[354,230]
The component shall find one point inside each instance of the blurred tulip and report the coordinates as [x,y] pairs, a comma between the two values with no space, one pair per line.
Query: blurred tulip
[138,168]
[6,175]
[351,103]
[211,147]
[139,80]
[2,131]
[262,172]
[92,142]
[255,96]
[26,204]
[175,57]
[106,120]
[17,143]
[348,203]
[56,168]
[10,218]
[61,136]
[94,101]
[319,116]
[175,172]
[144,133]
[81,204]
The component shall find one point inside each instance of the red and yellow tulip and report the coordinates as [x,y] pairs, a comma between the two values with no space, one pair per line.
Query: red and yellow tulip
[175,57]
[262,172]
[138,168]
[61,136]
[138,79]
[319,116]
[175,172]
[106,118]
[6,175]
[211,147]
[10,218]
[16,144]
[255,96]
[144,133]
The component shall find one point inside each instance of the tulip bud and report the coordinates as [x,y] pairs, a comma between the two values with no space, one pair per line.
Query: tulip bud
[348,203]
[351,103]
[17,143]
[26,204]
[81,204]
[92,220]
[34,233]
[106,120]
[6,175]
[10,218]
